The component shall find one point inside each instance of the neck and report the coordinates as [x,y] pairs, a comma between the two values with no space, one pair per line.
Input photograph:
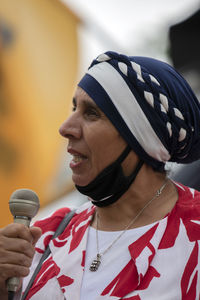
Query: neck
[117,215]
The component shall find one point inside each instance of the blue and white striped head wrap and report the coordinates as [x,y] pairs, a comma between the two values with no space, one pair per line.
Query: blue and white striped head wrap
[149,103]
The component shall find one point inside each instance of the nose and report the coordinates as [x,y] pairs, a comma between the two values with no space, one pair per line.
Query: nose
[70,128]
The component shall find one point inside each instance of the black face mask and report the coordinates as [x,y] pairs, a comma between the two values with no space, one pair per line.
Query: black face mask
[111,183]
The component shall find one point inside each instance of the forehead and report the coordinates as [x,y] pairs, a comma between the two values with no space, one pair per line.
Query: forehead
[80,94]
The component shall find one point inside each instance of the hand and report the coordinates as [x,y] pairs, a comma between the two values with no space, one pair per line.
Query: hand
[16,252]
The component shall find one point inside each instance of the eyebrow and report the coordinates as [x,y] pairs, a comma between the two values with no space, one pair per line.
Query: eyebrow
[86,103]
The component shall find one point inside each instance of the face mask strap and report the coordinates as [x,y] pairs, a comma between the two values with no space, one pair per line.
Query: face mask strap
[123,155]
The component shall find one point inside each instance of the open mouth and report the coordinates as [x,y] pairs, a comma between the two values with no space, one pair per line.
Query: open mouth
[78,158]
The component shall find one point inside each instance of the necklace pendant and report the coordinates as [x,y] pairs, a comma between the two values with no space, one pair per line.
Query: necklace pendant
[95,263]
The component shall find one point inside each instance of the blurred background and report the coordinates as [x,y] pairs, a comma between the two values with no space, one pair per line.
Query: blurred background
[45,48]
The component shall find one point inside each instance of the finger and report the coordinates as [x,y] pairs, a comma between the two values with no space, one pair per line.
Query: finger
[16,258]
[36,234]
[9,270]
[16,245]
[16,230]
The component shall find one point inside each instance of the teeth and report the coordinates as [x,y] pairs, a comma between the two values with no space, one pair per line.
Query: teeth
[77,158]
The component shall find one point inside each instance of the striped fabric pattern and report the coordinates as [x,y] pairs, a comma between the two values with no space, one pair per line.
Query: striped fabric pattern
[150,104]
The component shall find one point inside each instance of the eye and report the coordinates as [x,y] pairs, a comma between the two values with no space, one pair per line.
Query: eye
[74,104]
[91,112]
[73,108]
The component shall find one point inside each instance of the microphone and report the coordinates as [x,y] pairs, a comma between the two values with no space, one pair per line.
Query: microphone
[24,205]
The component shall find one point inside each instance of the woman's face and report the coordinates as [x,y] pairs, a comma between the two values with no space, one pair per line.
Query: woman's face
[93,141]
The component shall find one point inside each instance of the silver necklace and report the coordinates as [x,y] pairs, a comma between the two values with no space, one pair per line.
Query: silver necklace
[97,261]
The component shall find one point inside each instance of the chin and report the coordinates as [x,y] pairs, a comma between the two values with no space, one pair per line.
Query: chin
[79,180]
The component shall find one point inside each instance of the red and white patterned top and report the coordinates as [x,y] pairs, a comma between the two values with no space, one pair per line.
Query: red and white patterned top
[164,261]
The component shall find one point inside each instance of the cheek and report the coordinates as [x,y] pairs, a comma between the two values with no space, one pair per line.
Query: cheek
[106,149]
[98,151]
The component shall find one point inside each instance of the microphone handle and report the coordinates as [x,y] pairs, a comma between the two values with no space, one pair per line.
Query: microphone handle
[14,282]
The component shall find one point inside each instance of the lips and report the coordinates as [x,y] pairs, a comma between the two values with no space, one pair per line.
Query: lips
[77,158]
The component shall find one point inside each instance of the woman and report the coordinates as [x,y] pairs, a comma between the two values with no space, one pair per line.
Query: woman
[138,236]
